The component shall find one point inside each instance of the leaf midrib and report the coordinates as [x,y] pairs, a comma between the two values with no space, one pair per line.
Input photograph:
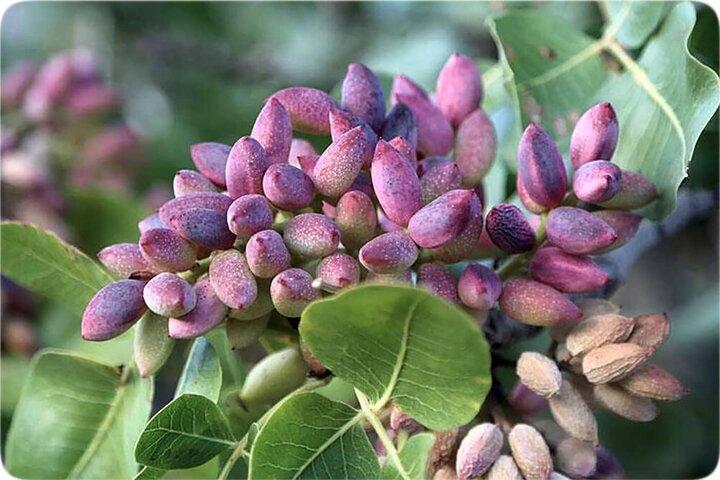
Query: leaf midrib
[102,430]
[182,433]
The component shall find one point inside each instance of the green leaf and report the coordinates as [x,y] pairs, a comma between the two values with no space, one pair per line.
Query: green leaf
[309,436]
[413,456]
[202,374]
[663,102]
[77,419]
[186,433]
[149,473]
[41,262]
[405,345]
[99,218]
[636,20]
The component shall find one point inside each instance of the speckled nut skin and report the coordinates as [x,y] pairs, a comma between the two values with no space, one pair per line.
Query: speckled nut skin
[478,451]
[479,287]
[541,168]
[396,184]
[273,130]
[597,181]
[534,303]
[577,231]
[210,159]
[475,147]
[389,253]
[362,95]
[339,165]
[308,109]
[246,167]
[232,280]
[595,135]
[442,220]
[292,291]
[311,235]
[113,310]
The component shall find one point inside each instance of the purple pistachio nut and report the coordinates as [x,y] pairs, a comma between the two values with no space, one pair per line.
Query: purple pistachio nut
[475,147]
[436,278]
[300,147]
[356,219]
[508,228]
[210,159]
[625,225]
[362,95]
[15,83]
[578,231]
[336,272]
[113,145]
[207,200]
[567,273]
[272,129]
[209,312]
[428,163]
[342,122]
[340,163]
[442,220]
[466,242]
[479,287]
[150,222]
[307,164]
[308,108]
[362,183]
[607,466]
[400,122]
[204,227]
[595,135]
[89,100]
[597,181]
[389,253]
[190,181]
[168,295]
[439,180]
[396,184]
[311,235]
[459,88]
[50,85]
[478,451]
[534,303]
[485,247]
[232,280]
[527,202]
[385,224]
[246,166]
[435,134]
[291,291]
[113,310]
[526,402]
[402,85]
[541,168]
[248,215]
[124,259]
[288,187]
[267,254]
[636,192]
[405,147]
[167,251]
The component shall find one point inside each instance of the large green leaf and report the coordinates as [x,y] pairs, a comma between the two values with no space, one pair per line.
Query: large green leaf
[405,345]
[663,102]
[310,436]
[77,419]
[202,374]
[186,433]
[41,262]
[414,457]
[663,99]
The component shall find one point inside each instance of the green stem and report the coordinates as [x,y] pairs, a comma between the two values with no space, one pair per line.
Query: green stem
[381,433]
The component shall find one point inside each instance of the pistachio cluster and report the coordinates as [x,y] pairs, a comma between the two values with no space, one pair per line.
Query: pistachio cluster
[266,226]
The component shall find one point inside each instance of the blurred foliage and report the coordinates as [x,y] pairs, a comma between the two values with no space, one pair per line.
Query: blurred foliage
[199,71]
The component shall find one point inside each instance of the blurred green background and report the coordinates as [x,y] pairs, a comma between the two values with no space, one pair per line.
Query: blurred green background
[199,71]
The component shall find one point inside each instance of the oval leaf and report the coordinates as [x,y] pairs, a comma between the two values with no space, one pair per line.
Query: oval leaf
[41,262]
[406,345]
[77,418]
[309,436]
[186,433]
[202,374]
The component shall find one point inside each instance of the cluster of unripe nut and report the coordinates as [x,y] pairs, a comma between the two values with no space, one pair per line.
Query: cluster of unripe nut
[266,226]
[62,108]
